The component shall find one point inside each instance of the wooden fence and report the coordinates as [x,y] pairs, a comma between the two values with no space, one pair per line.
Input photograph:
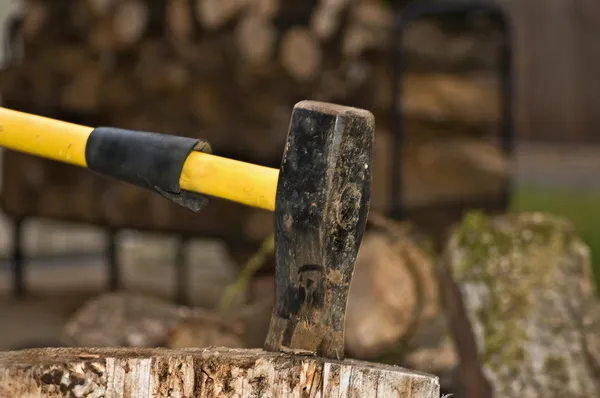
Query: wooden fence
[557,67]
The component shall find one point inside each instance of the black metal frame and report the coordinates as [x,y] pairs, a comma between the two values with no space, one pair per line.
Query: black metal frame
[18,257]
[418,9]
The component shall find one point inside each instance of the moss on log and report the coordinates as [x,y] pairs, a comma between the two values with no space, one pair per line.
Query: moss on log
[522,306]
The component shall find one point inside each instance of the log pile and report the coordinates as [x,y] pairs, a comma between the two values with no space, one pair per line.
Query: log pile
[229,71]
[211,67]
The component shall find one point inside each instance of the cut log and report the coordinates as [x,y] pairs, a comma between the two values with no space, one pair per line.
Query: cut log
[212,14]
[324,23]
[325,19]
[369,26]
[179,22]
[130,21]
[447,97]
[265,9]
[392,290]
[255,38]
[100,7]
[522,307]
[138,320]
[217,372]
[300,54]
[132,320]
[428,46]
[123,27]
[467,100]
[394,313]
[438,171]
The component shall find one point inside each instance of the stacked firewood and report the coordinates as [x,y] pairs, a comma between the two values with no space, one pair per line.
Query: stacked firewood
[233,68]
[229,71]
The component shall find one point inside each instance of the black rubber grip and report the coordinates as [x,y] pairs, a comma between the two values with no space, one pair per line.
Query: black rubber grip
[149,160]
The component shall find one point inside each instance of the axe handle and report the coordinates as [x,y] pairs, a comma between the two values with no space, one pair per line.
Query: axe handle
[241,182]
[203,173]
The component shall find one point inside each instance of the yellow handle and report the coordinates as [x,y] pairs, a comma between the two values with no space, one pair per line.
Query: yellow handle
[44,137]
[241,182]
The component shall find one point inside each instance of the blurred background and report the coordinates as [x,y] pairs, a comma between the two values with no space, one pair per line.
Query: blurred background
[496,108]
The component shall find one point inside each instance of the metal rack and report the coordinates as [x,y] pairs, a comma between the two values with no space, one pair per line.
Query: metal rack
[435,9]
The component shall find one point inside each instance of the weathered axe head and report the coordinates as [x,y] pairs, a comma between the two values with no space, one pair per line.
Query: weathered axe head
[321,209]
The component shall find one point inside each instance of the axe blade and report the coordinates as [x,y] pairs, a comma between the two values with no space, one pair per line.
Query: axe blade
[321,209]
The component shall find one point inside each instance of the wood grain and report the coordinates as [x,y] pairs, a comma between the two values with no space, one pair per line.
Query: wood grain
[217,372]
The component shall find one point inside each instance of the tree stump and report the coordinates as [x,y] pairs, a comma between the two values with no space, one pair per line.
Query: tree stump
[222,372]
[522,307]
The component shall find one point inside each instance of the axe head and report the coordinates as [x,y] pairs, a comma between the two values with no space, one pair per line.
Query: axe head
[321,209]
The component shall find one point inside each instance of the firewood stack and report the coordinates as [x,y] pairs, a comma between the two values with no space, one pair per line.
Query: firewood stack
[227,70]
[230,71]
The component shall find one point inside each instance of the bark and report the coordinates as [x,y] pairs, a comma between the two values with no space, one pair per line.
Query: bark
[221,372]
[522,307]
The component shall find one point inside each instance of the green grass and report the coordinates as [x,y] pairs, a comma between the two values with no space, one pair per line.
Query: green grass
[581,207]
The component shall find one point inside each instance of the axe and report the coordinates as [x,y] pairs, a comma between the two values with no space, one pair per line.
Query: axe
[320,197]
